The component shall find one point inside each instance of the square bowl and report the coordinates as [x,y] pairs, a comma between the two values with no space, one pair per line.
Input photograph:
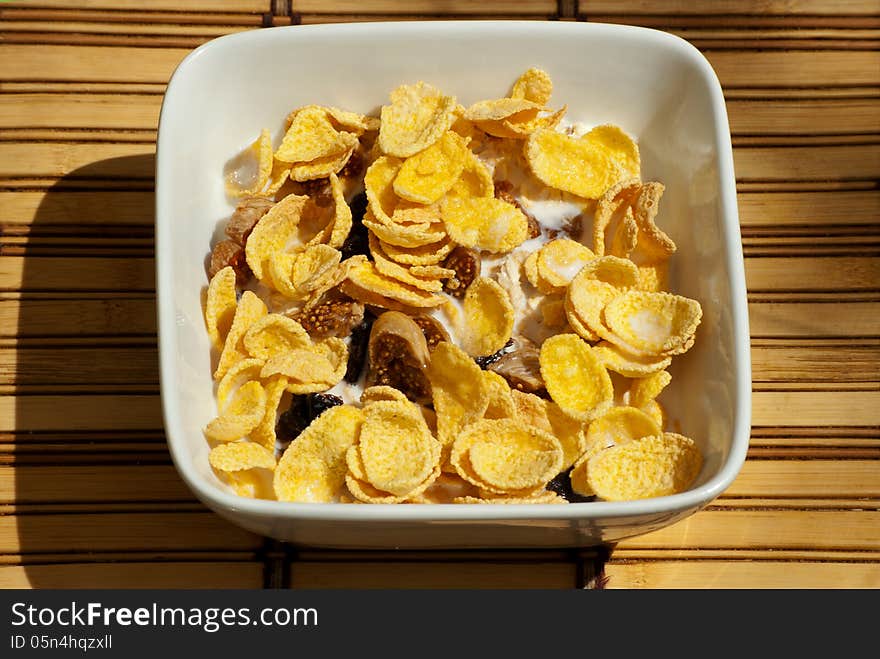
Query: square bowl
[656,86]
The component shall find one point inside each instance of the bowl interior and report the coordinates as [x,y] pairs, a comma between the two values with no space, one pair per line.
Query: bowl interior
[653,85]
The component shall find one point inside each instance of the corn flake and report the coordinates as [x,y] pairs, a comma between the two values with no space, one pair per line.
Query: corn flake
[220,305]
[417,117]
[570,164]
[619,145]
[273,335]
[241,416]
[239,456]
[534,85]
[653,323]
[560,260]
[312,468]
[428,175]
[654,466]
[249,310]
[460,393]
[575,377]
[488,317]
[485,223]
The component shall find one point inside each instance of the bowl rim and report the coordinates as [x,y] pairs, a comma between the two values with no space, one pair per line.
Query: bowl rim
[693,499]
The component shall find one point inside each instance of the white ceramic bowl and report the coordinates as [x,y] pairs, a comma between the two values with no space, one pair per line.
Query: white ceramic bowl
[656,86]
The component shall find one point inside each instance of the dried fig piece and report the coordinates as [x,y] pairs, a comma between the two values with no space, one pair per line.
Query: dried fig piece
[245,217]
[466,263]
[229,252]
[332,317]
[432,329]
[504,192]
[520,366]
[398,356]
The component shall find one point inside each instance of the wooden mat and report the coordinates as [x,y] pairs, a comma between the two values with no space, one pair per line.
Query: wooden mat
[88,496]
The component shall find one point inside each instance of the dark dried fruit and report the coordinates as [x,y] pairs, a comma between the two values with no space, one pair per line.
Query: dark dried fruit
[245,217]
[302,411]
[332,317]
[521,366]
[319,191]
[504,192]
[357,241]
[484,362]
[398,354]
[354,167]
[432,329]
[357,348]
[228,252]
[466,263]
[562,486]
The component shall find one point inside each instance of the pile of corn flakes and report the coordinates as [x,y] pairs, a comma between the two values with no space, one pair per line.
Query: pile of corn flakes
[366,310]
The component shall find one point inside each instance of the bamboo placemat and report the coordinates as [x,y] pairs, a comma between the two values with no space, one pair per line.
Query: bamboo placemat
[88,496]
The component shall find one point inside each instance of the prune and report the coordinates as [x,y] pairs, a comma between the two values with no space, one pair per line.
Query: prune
[357,348]
[302,411]
[357,241]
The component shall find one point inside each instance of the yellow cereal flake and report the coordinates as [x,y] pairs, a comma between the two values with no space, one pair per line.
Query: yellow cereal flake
[460,393]
[655,410]
[644,390]
[654,244]
[560,260]
[417,117]
[618,426]
[379,187]
[241,415]
[534,85]
[312,136]
[568,430]
[630,366]
[428,175]
[475,180]
[575,377]
[385,266]
[485,223]
[273,335]
[249,310]
[262,150]
[312,468]
[366,284]
[504,456]
[220,305]
[622,148]
[651,467]
[500,108]
[626,237]
[240,373]
[653,323]
[618,272]
[264,433]
[402,232]
[585,299]
[618,198]
[321,167]
[382,392]
[396,447]
[240,456]
[653,277]
[342,219]
[571,164]
[273,233]
[501,404]
[430,254]
[543,497]
[488,317]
